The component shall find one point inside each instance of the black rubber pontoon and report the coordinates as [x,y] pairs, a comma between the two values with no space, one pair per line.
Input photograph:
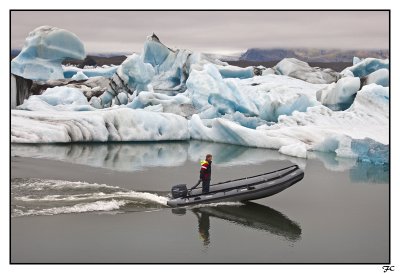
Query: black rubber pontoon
[244,189]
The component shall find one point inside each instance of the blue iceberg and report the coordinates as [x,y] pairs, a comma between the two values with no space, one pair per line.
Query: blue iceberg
[365,67]
[370,151]
[44,50]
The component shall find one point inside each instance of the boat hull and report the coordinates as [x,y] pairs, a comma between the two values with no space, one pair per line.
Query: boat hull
[245,189]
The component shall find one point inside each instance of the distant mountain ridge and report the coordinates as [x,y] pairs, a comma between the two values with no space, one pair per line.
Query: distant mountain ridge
[310,55]
[258,55]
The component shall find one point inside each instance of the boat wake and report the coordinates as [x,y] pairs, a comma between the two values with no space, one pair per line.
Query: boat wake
[51,197]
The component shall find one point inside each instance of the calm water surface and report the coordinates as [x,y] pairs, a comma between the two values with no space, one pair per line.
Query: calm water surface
[107,203]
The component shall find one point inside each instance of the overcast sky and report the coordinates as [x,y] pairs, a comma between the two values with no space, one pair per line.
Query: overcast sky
[212,31]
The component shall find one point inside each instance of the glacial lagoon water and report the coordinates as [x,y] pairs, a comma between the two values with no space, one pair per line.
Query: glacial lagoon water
[106,203]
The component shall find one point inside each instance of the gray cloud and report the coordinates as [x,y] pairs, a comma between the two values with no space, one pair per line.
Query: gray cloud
[212,31]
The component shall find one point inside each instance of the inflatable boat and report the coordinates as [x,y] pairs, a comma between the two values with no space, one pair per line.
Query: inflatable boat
[244,189]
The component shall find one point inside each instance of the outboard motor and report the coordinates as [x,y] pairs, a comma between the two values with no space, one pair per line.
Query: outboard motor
[179,191]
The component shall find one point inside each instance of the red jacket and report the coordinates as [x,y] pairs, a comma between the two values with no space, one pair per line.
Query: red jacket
[205,171]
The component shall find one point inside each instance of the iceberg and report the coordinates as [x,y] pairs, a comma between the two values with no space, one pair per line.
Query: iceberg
[132,75]
[301,70]
[367,66]
[171,66]
[44,50]
[121,124]
[166,94]
[158,68]
[370,151]
[105,71]
[340,95]
[162,70]
[79,76]
[379,77]
[319,128]
[236,72]
[264,97]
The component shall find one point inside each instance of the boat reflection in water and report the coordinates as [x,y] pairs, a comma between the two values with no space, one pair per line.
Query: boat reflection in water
[252,215]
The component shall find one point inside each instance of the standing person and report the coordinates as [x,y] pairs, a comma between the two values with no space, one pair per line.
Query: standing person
[205,173]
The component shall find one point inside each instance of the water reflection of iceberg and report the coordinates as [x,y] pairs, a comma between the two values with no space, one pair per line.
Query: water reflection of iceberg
[369,173]
[115,156]
[332,162]
[359,172]
[138,156]
[250,215]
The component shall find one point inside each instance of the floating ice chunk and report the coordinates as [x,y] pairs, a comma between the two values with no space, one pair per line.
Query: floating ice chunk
[379,77]
[371,151]
[44,50]
[79,76]
[301,70]
[57,98]
[120,124]
[236,72]
[340,95]
[296,150]
[107,72]
[367,66]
